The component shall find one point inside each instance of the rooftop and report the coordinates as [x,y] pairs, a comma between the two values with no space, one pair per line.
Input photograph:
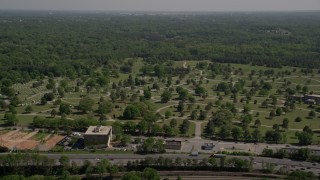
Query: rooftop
[173,142]
[314,95]
[98,130]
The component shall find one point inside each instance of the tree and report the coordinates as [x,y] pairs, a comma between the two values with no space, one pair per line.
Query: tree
[151,145]
[273,136]
[278,111]
[150,174]
[102,81]
[264,104]
[276,127]
[125,139]
[312,114]
[156,129]
[302,154]
[147,93]
[113,169]
[285,123]
[203,115]
[301,175]
[256,135]
[200,90]
[298,119]
[43,101]
[180,107]
[194,115]
[224,132]
[272,114]
[185,126]
[11,119]
[305,89]
[222,117]
[142,127]
[102,167]
[304,138]
[167,114]
[246,120]
[123,95]
[307,129]
[257,123]
[53,112]
[246,109]
[166,96]
[64,161]
[3,149]
[3,104]
[113,96]
[210,129]
[183,93]
[267,152]
[173,123]
[236,133]
[131,176]
[86,104]
[131,112]
[105,107]
[65,108]
[28,109]
[66,175]
[150,119]
[159,71]
[169,131]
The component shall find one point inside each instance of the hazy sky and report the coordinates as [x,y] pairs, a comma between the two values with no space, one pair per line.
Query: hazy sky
[163,5]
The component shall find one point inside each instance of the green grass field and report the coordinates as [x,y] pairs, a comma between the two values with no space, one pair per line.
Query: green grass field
[27,95]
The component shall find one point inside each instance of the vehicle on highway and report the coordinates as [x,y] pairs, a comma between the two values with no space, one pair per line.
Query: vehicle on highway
[194,153]
[218,156]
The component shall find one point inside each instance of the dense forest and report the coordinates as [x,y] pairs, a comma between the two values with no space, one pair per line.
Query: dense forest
[33,44]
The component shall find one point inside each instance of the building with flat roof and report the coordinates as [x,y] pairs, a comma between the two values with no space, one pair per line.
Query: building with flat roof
[173,144]
[98,136]
[307,98]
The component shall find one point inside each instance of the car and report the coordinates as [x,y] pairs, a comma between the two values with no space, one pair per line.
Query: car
[217,156]
[194,153]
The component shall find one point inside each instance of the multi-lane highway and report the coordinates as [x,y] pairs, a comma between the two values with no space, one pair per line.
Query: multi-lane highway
[124,158]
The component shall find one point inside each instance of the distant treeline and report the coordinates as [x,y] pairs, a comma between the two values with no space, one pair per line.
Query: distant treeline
[33,44]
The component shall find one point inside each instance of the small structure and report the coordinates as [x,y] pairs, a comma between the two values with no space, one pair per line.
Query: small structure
[314,98]
[173,144]
[307,98]
[98,136]
[207,146]
[296,97]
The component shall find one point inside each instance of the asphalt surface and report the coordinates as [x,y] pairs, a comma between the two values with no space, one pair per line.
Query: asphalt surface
[124,158]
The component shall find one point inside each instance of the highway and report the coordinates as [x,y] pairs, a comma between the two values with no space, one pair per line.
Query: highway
[124,158]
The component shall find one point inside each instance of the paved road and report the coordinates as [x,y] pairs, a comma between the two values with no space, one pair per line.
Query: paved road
[198,129]
[124,158]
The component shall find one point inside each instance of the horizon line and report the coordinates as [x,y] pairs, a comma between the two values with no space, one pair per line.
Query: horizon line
[156,11]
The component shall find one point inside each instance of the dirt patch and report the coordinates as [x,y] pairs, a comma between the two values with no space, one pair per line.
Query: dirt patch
[23,140]
[29,144]
[50,143]
[17,136]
